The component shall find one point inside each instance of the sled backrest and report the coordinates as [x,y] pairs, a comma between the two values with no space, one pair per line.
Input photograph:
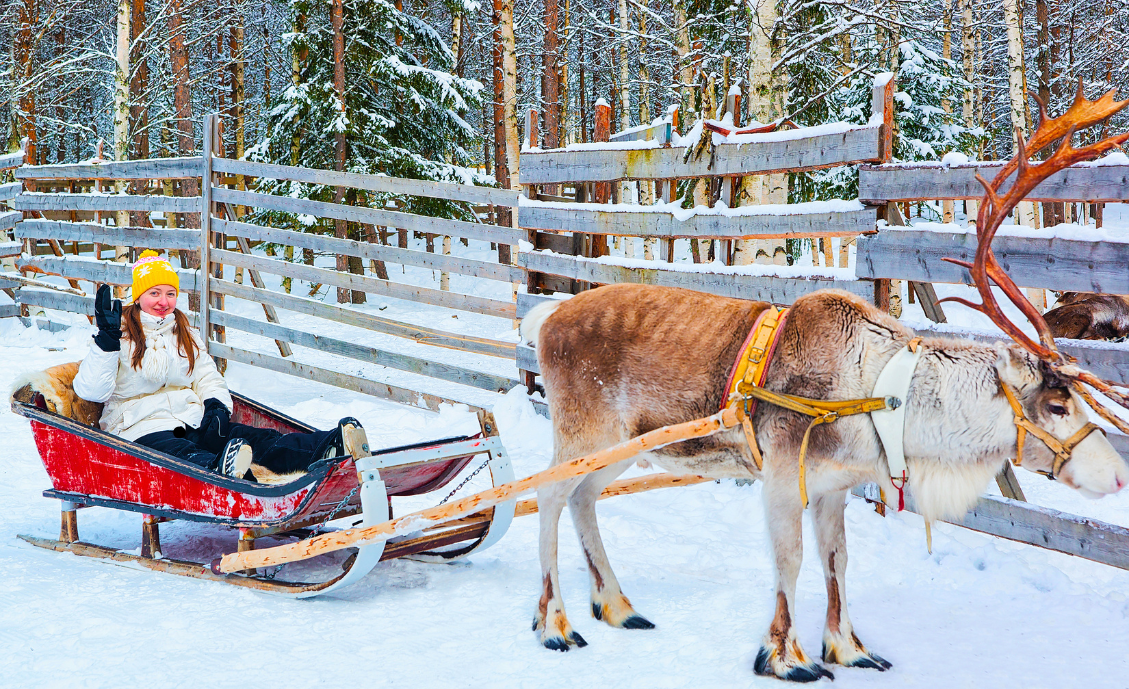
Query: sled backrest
[53,390]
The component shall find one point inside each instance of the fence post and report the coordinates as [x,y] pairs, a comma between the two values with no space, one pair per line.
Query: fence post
[206,234]
[882,102]
[730,186]
[598,244]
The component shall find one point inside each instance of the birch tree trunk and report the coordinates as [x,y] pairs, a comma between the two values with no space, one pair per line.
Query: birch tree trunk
[646,187]
[968,51]
[946,104]
[624,71]
[682,44]
[1017,91]
[509,89]
[121,108]
[1020,116]
[766,103]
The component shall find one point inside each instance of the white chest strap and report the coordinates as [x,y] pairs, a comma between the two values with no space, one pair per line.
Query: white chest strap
[894,381]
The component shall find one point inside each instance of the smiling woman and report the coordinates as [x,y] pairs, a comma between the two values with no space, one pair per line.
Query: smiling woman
[163,391]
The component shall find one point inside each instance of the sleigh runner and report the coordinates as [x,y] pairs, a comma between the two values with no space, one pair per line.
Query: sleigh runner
[91,468]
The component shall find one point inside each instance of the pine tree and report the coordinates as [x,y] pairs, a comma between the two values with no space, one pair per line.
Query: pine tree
[403,110]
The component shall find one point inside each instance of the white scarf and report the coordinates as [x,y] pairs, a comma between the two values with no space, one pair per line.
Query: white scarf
[160,346]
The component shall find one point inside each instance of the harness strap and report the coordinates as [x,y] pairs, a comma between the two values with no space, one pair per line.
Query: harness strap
[823,411]
[1062,449]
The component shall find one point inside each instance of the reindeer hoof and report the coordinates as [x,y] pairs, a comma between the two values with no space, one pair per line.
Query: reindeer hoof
[617,612]
[810,672]
[638,622]
[557,643]
[863,659]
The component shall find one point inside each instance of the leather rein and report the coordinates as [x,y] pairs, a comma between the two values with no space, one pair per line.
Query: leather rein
[744,391]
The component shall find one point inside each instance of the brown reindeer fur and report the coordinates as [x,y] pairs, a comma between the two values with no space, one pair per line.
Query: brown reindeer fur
[56,386]
[693,369]
[1086,316]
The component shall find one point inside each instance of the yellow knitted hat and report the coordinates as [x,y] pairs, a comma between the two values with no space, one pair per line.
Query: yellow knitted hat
[152,270]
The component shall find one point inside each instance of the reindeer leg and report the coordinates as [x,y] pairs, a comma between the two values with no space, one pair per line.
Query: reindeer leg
[608,602]
[840,645]
[780,654]
[556,633]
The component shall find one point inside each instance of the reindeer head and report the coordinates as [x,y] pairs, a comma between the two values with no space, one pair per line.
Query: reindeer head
[1049,388]
[1050,408]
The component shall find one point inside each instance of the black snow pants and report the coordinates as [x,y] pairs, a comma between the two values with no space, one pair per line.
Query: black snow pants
[282,453]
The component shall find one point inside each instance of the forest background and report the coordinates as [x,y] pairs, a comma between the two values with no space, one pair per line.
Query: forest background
[438,88]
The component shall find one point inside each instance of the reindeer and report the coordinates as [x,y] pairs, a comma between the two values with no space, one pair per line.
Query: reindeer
[1088,316]
[622,360]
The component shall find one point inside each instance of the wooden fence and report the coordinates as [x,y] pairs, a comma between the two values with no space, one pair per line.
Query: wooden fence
[571,233]
[223,212]
[885,253]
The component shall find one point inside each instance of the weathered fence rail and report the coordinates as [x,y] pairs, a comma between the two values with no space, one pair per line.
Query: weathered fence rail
[802,220]
[840,146]
[913,182]
[772,288]
[1059,263]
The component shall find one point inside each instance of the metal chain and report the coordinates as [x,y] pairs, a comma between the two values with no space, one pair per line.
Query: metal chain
[340,506]
[317,529]
[466,480]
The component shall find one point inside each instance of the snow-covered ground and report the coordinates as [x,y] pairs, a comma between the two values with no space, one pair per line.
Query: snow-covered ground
[979,611]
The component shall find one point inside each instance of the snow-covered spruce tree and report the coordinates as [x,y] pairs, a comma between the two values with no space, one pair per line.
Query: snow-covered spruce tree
[403,110]
[923,129]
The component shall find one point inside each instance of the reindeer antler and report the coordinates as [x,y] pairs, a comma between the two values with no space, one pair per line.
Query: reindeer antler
[986,270]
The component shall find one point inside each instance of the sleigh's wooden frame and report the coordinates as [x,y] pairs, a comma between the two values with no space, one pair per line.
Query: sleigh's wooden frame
[91,468]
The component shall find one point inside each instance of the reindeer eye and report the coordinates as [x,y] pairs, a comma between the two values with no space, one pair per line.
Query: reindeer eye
[1056,409]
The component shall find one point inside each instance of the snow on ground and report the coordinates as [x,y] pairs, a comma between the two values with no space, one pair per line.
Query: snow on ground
[979,611]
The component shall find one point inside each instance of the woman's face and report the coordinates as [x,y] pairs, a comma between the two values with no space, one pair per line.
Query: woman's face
[158,301]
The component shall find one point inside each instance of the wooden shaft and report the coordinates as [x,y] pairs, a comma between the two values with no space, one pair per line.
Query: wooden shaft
[626,486]
[312,547]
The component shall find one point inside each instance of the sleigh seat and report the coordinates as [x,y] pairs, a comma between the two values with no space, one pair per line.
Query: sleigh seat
[89,467]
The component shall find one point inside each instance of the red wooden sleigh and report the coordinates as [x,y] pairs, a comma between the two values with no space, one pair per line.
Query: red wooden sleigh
[89,467]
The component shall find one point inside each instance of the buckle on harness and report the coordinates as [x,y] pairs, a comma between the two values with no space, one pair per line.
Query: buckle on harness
[756,354]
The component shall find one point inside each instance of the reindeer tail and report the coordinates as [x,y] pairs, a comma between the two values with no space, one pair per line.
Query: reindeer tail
[531,324]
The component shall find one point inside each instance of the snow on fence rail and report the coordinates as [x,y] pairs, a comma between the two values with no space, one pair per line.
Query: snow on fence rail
[648,160]
[1105,182]
[794,221]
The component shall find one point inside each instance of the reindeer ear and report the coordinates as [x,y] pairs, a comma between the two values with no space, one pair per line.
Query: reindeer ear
[1016,367]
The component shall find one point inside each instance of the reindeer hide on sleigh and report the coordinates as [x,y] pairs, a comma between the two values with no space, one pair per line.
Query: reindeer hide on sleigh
[56,384]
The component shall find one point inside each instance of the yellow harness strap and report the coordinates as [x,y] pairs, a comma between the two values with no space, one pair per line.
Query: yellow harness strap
[1061,448]
[750,368]
[745,385]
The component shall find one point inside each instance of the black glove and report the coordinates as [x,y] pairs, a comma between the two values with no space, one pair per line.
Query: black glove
[215,424]
[108,317]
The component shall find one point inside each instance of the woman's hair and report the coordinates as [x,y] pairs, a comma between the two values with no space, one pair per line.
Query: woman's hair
[131,328]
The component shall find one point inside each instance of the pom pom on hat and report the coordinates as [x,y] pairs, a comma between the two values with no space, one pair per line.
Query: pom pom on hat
[152,270]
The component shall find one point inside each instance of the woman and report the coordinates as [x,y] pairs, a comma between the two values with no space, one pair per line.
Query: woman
[163,391]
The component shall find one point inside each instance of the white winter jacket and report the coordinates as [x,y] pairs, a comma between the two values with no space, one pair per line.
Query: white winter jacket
[155,397]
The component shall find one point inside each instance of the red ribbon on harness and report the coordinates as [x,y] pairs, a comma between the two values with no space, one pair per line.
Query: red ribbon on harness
[901,491]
